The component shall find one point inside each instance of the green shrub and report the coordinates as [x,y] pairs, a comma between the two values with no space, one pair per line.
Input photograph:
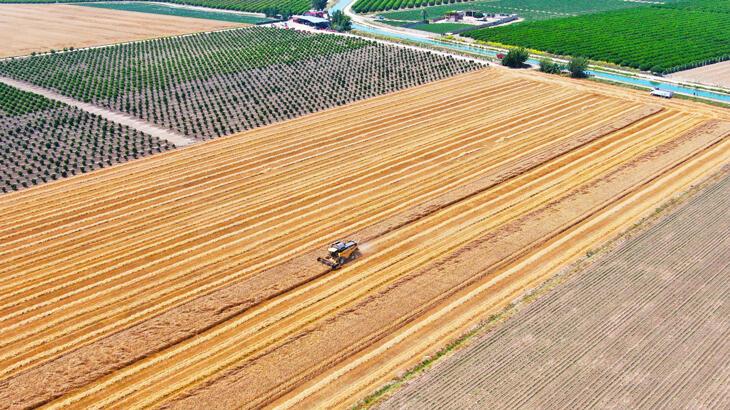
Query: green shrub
[516,58]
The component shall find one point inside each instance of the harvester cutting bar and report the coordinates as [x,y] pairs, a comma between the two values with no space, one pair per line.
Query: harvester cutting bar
[333,265]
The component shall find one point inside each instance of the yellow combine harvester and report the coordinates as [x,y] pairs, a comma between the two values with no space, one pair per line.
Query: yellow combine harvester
[340,253]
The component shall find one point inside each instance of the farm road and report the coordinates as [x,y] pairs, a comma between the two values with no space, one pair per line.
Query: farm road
[143,126]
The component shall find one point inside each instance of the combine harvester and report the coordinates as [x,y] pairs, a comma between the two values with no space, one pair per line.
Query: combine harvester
[340,253]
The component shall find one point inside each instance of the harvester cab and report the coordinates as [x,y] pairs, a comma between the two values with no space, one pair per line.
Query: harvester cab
[340,253]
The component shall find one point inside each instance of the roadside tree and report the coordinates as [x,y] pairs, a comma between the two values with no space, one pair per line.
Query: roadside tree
[340,21]
[549,66]
[516,58]
[577,67]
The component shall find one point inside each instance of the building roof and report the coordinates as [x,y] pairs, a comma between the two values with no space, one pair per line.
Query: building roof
[313,19]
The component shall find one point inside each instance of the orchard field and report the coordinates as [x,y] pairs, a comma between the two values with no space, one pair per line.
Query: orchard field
[43,140]
[529,9]
[660,39]
[214,84]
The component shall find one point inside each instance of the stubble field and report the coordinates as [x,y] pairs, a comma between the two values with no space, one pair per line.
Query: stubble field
[647,326]
[42,27]
[717,75]
[189,279]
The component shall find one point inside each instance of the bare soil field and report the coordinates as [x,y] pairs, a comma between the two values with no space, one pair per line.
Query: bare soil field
[716,75]
[189,279]
[647,326]
[41,27]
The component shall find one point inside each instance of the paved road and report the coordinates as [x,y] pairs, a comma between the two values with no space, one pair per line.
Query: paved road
[118,117]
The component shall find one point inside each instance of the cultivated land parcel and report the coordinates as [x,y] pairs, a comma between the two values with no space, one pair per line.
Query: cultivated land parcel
[648,326]
[213,84]
[660,38]
[189,279]
[202,86]
[31,28]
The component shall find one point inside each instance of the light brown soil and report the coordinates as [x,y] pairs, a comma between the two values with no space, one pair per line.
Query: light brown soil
[42,27]
[190,278]
[645,327]
[716,75]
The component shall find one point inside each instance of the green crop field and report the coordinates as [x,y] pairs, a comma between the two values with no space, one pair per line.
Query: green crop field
[441,28]
[169,10]
[256,6]
[536,9]
[718,6]
[648,38]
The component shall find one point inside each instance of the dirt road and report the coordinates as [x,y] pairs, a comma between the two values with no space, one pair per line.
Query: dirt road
[189,278]
[42,27]
[646,327]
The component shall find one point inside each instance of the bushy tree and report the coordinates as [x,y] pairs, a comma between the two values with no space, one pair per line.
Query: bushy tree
[340,21]
[516,58]
[577,67]
[319,4]
[549,66]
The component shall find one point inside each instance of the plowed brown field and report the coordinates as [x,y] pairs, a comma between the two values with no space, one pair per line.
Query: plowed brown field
[189,278]
[41,27]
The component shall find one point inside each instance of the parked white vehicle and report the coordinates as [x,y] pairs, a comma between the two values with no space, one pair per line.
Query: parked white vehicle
[662,93]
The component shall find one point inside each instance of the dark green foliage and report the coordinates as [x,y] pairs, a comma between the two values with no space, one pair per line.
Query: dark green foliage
[717,6]
[516,58]
[340,21]
[577,67]
[17,102]
[648,38]
[549,66]
[319,4]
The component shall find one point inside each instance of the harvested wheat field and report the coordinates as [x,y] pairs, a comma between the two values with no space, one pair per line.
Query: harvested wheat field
[42,27]
[189,279]
[647,326]
[717,75]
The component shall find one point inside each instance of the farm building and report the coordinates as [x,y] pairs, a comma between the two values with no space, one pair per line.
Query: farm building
[317,22]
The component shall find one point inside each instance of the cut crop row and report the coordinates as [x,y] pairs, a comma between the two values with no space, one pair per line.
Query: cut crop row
[43,140]
[210,85]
